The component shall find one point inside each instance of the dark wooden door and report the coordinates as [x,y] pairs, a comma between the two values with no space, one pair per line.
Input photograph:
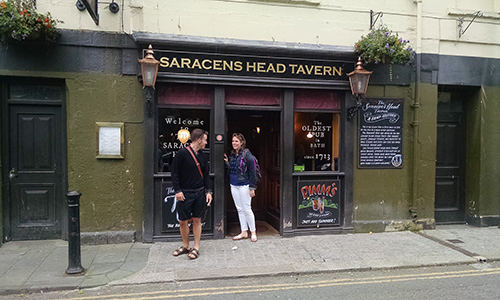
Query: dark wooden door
[450,159]
[36,160]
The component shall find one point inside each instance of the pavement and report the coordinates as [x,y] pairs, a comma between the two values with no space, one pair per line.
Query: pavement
[35,266]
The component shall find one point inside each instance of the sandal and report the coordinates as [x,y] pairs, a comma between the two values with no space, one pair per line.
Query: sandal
[181,250]
[254,238]
[239,237]
[194,253]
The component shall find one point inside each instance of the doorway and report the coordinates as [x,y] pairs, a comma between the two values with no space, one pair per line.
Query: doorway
[262,133]
[449,207]
[34,159]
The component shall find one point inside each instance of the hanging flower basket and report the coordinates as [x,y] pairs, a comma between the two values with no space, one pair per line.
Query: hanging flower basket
[19,21]
[382,46]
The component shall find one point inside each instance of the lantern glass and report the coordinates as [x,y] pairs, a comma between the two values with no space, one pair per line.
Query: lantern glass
[149,73]
[359,83]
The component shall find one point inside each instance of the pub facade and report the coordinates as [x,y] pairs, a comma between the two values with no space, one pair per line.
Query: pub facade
[419,149]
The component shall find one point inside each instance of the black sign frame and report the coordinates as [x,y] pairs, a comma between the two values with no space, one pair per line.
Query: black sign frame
[319,203]
[380,138]
[182,63]
[169,221]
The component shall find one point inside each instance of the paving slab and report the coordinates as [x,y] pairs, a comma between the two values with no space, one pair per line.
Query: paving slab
[41,265]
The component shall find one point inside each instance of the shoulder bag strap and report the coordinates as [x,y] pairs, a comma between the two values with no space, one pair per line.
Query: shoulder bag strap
[195,160]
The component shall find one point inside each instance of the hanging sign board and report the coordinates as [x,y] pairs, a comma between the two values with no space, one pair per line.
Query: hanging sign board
[381,134]
[318,203]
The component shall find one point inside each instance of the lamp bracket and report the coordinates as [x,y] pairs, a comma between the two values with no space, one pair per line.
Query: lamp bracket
[372,15]
[462,19]
[351,111]
[149,92]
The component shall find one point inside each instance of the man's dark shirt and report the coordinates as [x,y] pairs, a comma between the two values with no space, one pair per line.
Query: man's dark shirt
[185,174]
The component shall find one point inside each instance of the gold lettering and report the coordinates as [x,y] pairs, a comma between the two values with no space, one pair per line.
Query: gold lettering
[217,64]
[228,65]
[338,71]
[186,61]
[327,70]
[238,66]
[175,62]
[253,66]
[301,70]
[270,68]
[293,68]
[317,70]
[260,67]
[281,68]
[196,64]
[204,66]
[164,62]
[309,70]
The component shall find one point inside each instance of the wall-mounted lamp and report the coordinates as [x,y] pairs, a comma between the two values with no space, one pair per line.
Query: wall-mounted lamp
[257,129]
[149,68]
[309,135]
[359,79]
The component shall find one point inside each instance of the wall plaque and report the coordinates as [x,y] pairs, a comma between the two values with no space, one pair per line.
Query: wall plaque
[381,133]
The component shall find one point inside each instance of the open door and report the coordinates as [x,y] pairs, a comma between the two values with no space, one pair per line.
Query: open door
[262,133]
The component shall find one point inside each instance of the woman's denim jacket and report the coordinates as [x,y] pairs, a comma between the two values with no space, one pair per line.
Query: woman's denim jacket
[246,168]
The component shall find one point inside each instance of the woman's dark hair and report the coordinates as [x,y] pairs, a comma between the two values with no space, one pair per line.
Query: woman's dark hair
[242,139]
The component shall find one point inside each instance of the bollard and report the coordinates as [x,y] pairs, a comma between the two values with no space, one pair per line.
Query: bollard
[74,251]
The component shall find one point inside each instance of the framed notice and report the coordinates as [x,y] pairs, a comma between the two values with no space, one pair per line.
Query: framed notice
[110,140]
[381,134]
[318,203]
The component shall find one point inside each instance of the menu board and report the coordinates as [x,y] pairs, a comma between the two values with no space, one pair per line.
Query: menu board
[381,133]
[170,217]
[318,203]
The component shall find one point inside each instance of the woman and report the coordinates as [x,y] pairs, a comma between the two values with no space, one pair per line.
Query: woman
[243,181]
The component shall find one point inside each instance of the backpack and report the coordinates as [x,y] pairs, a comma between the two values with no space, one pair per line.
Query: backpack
[256,166]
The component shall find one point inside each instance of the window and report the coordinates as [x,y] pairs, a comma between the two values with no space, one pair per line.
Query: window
[170,121]
[316,138]
[176,111]
[316,134]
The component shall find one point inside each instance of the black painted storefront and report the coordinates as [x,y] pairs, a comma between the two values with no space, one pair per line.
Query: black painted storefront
[202,67]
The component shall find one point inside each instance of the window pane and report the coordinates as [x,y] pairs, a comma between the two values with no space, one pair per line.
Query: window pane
[316,137]
[170,121]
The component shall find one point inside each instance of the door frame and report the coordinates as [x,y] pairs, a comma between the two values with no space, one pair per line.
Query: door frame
[459,215]
[227,196]
[5,82]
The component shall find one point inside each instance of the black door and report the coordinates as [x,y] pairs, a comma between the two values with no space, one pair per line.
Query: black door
[450,160]
[35,171]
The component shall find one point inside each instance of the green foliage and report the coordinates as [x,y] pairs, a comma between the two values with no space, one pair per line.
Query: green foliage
[382,46]
[19,21]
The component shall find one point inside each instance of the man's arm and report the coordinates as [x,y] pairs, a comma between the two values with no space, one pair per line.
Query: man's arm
[175,172]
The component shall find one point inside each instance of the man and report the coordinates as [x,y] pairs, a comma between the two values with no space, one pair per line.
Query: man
[191,182]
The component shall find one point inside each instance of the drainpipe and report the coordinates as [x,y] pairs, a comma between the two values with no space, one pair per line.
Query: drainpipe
[416,114]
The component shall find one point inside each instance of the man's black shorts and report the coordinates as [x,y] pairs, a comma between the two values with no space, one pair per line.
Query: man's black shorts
[193,206]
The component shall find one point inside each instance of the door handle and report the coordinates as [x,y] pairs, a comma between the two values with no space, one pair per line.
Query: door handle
[12,173]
